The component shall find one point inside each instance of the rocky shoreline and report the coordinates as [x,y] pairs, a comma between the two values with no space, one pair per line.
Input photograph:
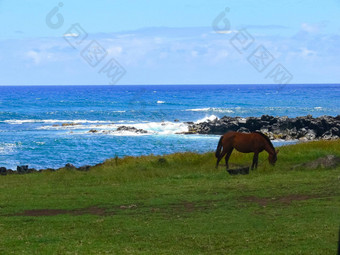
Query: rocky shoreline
[120,129]
[26,170]
[305,128]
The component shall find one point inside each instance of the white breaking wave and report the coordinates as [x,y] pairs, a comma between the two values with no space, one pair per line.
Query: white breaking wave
[162,128]
[160,102]
[79,126]
[152,128]
[209,118]
[111,133]
[110,128]
[17,122]
[198,110]
[126,133]
[210,109]
[125,121]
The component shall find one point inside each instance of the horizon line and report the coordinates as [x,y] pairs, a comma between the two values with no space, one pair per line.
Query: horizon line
[189,84]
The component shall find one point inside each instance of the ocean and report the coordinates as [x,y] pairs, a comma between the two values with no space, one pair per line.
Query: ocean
[35,130]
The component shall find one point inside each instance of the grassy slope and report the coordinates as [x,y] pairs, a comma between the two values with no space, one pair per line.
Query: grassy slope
[183,206]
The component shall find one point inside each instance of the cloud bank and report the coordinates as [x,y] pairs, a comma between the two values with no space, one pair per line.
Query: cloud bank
[161,55]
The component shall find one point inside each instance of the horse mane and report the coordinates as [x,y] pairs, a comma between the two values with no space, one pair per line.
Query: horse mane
[267,139]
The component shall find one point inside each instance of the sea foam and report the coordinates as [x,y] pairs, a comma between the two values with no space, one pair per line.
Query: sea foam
[211,109]
[18,122]
[208,118]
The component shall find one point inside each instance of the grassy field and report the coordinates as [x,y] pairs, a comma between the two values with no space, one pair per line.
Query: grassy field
[180,205]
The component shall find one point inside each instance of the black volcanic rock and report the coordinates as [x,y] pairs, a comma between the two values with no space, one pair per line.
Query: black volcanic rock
[3,171]
[303,128]
[84,168]
[70,166]
[22,169]
[119,129]
[132,129]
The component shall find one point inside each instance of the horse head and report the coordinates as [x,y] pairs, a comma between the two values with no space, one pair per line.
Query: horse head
[273,157]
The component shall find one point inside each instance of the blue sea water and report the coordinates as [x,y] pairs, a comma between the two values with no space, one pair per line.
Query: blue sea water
[31,118]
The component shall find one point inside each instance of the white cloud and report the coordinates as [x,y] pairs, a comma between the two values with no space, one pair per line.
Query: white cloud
[173,52]
[308,53]
[71,35]
[194,53]
[34,56]
[115,51]
[225,31]
[312,28]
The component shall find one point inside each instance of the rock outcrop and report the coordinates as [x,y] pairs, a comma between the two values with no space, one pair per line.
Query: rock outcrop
[302,128]
[25,170]
[329,161]
[120,129]
[132,129]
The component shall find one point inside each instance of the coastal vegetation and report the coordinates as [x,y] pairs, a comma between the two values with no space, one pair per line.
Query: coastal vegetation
[177,204]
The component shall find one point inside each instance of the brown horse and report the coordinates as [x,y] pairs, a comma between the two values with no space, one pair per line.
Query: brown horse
[253,142]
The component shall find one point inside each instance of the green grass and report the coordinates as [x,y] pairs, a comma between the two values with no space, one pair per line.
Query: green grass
[181,206]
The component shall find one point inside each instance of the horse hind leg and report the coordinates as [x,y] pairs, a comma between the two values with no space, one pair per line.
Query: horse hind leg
[255,160]
[220,157]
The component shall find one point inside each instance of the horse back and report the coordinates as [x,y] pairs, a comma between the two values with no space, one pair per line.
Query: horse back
[244,142]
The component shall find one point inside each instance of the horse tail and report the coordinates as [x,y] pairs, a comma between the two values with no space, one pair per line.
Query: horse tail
[219,147]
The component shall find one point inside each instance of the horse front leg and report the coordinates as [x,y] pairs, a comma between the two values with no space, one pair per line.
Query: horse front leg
[255,160]
[218,161]
[227,158]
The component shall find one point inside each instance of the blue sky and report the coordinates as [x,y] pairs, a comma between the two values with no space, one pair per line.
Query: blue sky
[169,42]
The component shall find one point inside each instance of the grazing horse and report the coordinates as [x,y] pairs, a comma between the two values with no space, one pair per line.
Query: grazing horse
[253,142]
